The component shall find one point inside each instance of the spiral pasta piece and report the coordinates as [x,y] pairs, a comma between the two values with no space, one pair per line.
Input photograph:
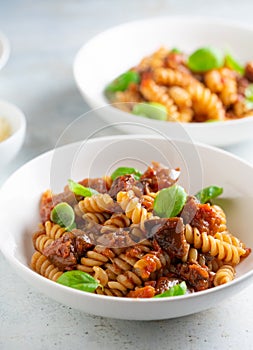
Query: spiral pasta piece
[117,221]
[222,216]
[127,99]
[99,218]
[180,96]
[97,203]
[100,275]
[41,241]
[213,80]
[208,244]
[153,61]
[108,181]
[228,94]
[205,103]
[156,93]
[224,275]
[41,265]
[169,77]
[194,256]
[54,231]
[132,207]
[147,264]
[229,238]
[147,201]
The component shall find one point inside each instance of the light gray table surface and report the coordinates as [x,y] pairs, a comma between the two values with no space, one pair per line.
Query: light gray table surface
[45,36]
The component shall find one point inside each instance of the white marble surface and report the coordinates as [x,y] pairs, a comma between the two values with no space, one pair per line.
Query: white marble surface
[45,35]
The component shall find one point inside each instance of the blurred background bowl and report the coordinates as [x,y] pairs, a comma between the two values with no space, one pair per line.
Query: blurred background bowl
[118,49]
[12,144]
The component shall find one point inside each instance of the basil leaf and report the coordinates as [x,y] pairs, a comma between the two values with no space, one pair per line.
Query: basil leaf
[63,215]
[175,50]
[212,120]
[178,289]
[122,82]
[170,201]
[78,280]
[208,193]
[249,96]
[126,171]
[204,59]
[152,110]
[80,190]
[231,63]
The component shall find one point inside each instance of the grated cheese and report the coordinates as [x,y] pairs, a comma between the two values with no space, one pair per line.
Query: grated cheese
[5,129]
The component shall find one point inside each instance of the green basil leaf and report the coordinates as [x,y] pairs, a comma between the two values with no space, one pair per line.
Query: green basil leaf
[122,82]
[152,110]
[231,63]
[249,96]
[249,92]
[212,120]
[170,201]
[80,190]
[178,289]
[78,280]
[205,58]
[175,50]
[63,215]
[126,171]
[208,193]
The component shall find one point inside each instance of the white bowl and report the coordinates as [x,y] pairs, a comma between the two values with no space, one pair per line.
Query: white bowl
[201,166]
[4,50]
[116,50]
[10,146]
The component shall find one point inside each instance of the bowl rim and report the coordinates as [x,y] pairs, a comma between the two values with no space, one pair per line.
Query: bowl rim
[6,49]
[71,291]
[200,20]
[21,116]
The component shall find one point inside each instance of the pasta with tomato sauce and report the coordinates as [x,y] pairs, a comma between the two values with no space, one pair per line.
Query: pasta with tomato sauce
[130,242]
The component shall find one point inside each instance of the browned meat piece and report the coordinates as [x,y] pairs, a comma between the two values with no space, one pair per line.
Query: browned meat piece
[152,226]
[65,252]
[82,242]
[242,84]
[165,283]
[125,183]
[61,252]
[158,177]
[46,205]
[190,209]
[169,234]
[207,219]
[249,71]
[197,276]
[117,238]
[97,184]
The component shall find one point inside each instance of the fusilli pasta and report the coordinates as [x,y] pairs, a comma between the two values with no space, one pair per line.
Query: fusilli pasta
[166,78]
[127,248]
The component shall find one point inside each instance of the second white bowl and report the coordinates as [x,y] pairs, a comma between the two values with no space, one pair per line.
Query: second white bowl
[116,50]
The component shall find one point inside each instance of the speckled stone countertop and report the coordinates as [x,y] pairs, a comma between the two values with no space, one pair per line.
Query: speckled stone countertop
[45,36]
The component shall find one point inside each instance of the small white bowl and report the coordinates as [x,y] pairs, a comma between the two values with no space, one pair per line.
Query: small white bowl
[200,165]
[4,50]
[116,50]
[11,146]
